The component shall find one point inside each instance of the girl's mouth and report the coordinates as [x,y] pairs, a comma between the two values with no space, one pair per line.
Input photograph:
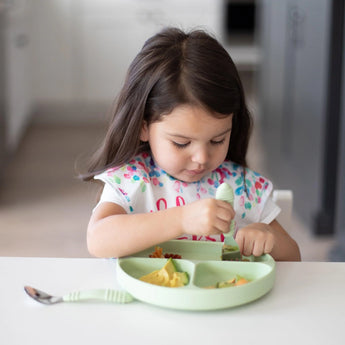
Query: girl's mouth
[195,172]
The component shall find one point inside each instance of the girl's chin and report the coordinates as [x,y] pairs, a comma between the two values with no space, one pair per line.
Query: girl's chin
[190,177]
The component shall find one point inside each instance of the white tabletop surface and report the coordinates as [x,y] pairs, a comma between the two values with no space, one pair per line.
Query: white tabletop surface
[305,306]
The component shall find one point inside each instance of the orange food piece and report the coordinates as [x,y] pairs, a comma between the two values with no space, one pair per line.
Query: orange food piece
[158,253]
[241,281]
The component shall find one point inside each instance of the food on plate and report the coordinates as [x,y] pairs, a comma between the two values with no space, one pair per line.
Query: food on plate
[158,253]
[167,276]
[237,281]
[227,252]
[227,248]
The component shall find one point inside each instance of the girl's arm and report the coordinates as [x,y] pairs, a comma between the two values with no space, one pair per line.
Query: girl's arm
[114,233]
[259,238]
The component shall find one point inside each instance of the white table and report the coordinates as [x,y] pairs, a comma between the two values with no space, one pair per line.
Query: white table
[306,306]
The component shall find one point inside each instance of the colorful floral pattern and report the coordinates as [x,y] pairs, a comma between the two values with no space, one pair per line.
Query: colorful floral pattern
[141,186]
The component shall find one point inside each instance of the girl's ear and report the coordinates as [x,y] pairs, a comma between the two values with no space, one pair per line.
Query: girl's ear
[144,135]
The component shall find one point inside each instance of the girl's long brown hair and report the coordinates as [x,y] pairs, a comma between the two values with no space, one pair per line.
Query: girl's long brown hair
[174,68]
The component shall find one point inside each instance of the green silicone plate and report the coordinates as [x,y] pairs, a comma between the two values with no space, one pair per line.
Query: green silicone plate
[189,250]
[201,260]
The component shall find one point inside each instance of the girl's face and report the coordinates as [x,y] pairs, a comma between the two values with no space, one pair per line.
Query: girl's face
[189,142]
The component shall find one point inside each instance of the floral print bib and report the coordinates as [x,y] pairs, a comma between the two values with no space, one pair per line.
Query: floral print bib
[141,186]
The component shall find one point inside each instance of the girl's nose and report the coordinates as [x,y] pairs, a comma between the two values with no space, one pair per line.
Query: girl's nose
[200,156]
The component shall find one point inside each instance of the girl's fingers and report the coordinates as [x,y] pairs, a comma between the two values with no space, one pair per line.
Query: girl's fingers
[221,226]
[254,242]
[225,213]
[258,248]
[225,219]
[248,247]
[226,206]
[268,247]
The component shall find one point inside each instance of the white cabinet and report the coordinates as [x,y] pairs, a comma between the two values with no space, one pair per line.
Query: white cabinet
[82,48]
[62,53]
[112,33]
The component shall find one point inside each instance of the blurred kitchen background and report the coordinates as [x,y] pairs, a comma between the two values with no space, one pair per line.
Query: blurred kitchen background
[62,63]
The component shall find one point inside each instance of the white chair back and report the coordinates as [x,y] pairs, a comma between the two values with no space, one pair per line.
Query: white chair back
[284,199]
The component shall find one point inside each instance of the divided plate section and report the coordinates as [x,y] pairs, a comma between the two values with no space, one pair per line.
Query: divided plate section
[195,296]
[189,250]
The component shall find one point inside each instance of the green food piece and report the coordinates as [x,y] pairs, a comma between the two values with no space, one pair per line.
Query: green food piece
[237,281]
[229,248]
[170,267]
[179,279]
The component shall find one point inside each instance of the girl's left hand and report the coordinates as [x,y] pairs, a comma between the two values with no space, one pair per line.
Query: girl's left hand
[255,239]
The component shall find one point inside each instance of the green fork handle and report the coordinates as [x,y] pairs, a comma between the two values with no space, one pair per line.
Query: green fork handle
[225,192]
[107,295]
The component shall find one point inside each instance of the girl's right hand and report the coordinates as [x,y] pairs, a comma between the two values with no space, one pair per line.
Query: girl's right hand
[207,217]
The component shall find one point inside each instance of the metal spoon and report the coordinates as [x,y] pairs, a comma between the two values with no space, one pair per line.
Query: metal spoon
[107,295]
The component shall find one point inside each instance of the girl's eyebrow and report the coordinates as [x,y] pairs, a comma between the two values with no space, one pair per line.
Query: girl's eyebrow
[224,132]
[188,137]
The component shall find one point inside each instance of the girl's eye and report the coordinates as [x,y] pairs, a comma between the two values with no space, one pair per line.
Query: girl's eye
[217,142]
[180,146]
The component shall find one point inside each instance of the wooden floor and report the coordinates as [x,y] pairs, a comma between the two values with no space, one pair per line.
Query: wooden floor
[44,207]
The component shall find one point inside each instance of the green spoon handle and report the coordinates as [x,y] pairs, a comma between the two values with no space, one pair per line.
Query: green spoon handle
[107,295]
[224,192]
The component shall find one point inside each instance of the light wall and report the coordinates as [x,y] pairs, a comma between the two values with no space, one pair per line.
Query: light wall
[73,54]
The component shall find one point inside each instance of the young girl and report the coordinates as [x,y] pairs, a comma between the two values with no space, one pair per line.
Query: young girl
[181,128]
